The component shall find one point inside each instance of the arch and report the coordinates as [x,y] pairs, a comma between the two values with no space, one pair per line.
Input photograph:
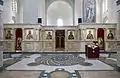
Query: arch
[56,11]
[49,2]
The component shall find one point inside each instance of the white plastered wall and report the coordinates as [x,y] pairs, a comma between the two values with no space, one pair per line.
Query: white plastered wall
[7,15]
[78,10]
[111,12]
[34,9]
[30,11]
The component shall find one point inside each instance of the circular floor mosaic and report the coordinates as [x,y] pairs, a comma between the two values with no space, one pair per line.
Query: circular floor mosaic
[59,60]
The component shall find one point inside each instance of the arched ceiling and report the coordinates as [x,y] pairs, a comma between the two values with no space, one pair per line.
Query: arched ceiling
[56,9]
[48,2]
[59,10]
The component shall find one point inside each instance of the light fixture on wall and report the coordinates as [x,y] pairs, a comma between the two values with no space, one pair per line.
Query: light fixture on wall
[59,22]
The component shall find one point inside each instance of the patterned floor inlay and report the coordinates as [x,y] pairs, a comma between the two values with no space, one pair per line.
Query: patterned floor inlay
[49,62]
[59,60]
[10,59]
[33,64]
[86,64]
[59,73]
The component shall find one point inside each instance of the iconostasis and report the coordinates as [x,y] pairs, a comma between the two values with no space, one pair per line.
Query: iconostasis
[37,39]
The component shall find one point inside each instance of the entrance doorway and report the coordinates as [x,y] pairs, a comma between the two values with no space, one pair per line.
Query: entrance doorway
[60,40]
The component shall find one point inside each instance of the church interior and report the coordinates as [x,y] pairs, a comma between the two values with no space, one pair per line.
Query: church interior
[59,38]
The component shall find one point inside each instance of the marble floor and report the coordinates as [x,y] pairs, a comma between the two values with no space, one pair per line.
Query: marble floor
[96,69]
[99,74]
[83,74]
[20,74]
[23,65]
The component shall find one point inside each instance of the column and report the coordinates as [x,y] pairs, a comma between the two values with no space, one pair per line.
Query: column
[118,37]
[1,38]
[78,11]
[20,11]
[41,12]
[118,25]
[99,11]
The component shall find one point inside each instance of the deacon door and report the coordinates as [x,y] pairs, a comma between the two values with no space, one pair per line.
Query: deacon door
[100,38]
[18,34]
[60,39]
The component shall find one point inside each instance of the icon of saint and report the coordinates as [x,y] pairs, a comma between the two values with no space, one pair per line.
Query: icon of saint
[49,36]
[29,36]
[19,41]
[71,37]
[89,36]
[9,35]
[100,42]
[110,35]
[90,11]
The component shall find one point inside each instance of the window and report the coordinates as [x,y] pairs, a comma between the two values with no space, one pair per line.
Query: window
[14,5]
[59,22]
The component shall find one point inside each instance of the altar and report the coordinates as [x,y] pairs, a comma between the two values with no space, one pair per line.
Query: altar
[92,51]
[38,38]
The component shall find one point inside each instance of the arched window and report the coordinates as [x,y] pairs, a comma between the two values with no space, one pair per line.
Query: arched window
[59,22]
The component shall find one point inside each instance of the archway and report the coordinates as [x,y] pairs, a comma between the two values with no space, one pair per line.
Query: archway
[62,10]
